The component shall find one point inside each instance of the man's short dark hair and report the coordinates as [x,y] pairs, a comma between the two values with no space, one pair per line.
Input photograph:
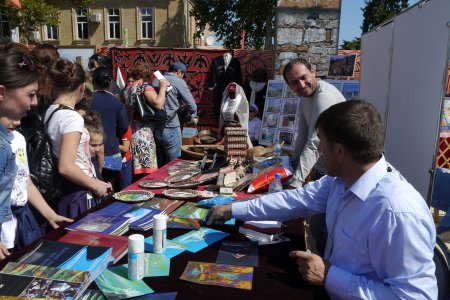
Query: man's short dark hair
[292,63]
[357,125]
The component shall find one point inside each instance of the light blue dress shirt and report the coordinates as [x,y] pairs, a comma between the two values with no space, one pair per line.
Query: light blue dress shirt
[381,233]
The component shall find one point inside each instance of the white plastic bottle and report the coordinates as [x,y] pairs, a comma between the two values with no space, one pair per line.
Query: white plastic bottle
[275,185]
[159,233]
[277,148]
[135,257]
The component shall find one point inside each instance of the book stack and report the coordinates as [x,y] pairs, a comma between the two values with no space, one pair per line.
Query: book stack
[116,219]
[265,232]
[92,259]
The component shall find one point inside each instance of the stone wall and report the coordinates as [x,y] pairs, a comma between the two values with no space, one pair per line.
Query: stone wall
[306,33]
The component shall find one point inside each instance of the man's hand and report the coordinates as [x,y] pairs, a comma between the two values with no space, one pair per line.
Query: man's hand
[218,214]
[313,268]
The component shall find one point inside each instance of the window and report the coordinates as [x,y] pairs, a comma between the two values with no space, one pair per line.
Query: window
[51,32]
[81,24]
[5,29]
[113,23]
[146,23]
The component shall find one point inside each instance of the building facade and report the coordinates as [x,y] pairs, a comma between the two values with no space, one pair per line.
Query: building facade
[138,23]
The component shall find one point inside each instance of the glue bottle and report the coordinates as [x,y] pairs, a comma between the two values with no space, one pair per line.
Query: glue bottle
[135,257]
[159,233]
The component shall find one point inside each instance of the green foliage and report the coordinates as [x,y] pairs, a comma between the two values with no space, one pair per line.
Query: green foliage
[82,3]
[354,44]
[228,18]
[378,11]
[32,15]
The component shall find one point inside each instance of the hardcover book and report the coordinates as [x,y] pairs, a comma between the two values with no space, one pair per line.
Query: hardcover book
[92,259]
[33,281]
[119,244]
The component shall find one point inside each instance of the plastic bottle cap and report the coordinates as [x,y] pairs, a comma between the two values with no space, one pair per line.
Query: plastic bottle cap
[277,176]
[159,222]
[136,243]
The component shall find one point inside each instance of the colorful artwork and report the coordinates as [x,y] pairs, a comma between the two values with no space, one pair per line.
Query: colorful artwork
[114,284]
[275,89]
[163,204]
[190,211]
[287,122]
[273,105]
[270,120]
[216,274]
[30,270]
[183,223]
[92,295]
[350,91]
[290,106]
[267,135]
[172,249]
[196,240]
[155,265]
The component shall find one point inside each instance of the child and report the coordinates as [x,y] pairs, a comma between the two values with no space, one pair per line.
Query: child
[23,229]
[93,124]
[254,124]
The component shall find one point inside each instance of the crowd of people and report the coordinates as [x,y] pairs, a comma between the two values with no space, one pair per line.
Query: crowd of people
[375,241]
[90,142]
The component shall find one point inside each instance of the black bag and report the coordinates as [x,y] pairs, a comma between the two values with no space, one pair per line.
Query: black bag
[143,110]
[43,166]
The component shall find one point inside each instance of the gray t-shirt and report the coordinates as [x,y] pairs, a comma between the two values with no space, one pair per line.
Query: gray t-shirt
[306,153]
[179,93]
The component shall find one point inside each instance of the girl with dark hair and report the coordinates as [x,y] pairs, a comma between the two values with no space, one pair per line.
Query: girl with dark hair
[18,87]
[115,123]
[70,141]
[43,56]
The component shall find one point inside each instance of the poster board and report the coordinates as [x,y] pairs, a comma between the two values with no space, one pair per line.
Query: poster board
[415,87]
[282,114]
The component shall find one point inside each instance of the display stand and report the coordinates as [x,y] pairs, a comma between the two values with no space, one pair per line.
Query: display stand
[403,73]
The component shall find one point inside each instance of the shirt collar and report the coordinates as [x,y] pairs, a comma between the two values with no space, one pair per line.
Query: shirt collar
[5,134]
[365,184]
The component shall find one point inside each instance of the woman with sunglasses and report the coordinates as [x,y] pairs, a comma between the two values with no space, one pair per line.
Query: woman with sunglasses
[18,87]
[70,141]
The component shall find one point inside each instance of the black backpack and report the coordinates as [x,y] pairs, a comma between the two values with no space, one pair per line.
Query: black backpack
[41,162]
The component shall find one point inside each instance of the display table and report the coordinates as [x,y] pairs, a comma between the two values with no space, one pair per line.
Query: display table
[275,278]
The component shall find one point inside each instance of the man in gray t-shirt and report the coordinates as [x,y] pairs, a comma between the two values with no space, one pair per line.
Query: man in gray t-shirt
[168,134]
[316,97]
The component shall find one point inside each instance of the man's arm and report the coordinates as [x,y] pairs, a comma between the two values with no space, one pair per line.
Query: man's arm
[281,206]
[187,98]
[401,251]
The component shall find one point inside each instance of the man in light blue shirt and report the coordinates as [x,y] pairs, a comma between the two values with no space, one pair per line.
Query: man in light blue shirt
[381,233]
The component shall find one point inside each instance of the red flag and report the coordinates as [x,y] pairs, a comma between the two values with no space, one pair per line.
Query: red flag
[16,3]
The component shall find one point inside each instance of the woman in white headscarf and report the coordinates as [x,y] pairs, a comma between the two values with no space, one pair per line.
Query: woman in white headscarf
[234,108]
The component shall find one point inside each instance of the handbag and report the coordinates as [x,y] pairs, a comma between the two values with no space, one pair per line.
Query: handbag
[144,110]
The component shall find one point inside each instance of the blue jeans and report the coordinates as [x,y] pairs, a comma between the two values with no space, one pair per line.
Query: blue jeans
[125,174]
[168,142]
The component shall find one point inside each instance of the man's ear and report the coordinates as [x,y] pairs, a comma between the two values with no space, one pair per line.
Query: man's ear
[341,151]
[2,93]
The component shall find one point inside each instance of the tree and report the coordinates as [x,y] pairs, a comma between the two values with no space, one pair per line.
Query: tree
[378,11]
[354,44]
[229,18]
[82,3]
[32,15]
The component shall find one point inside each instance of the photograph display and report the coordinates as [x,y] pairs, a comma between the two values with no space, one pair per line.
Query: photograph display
[282,113]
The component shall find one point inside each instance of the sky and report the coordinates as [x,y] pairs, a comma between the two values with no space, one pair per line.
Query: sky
[351,19]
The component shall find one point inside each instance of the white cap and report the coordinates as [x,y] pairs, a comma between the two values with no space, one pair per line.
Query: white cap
[136,243]
[159,222]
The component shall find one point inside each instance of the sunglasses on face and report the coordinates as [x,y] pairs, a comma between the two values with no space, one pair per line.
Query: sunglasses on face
[26,62]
